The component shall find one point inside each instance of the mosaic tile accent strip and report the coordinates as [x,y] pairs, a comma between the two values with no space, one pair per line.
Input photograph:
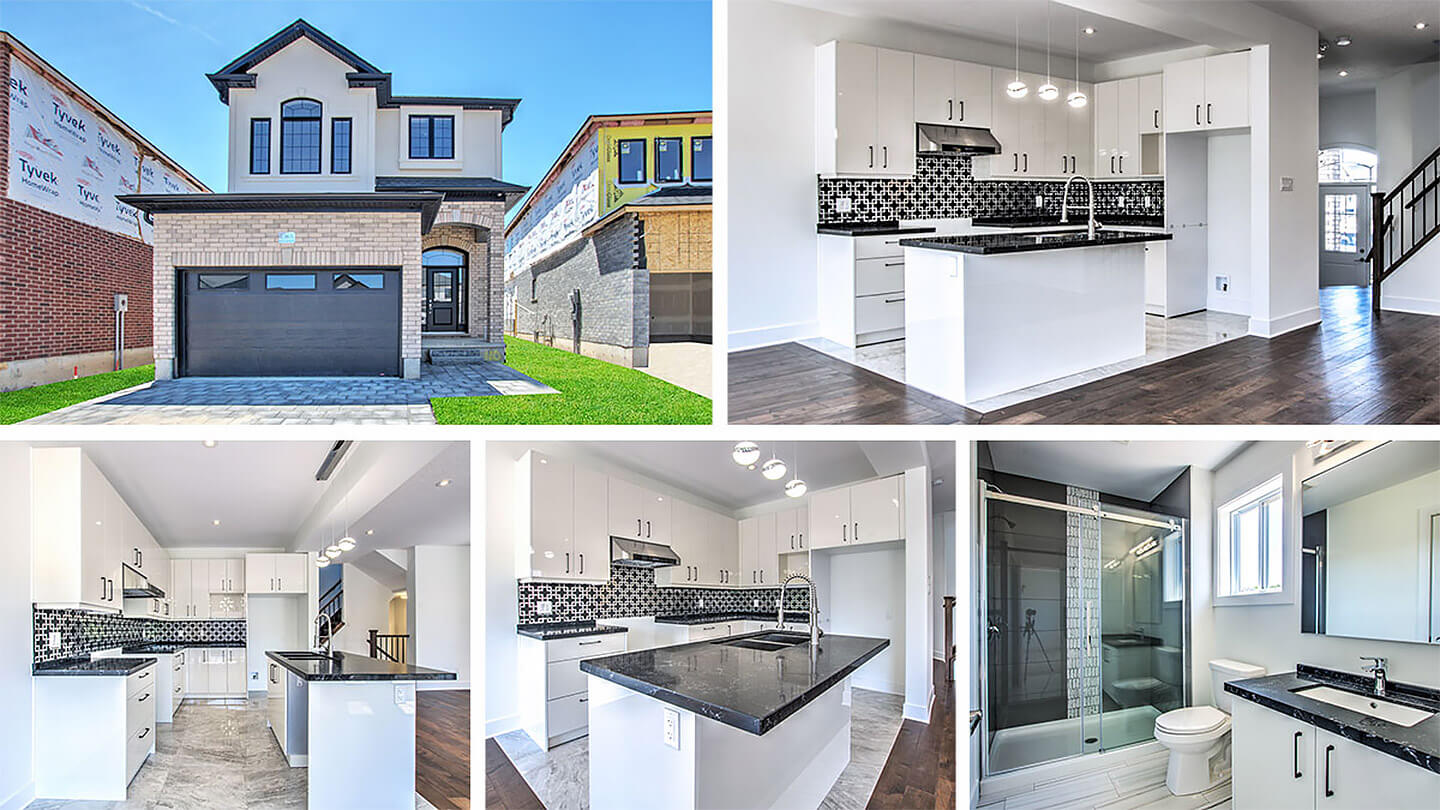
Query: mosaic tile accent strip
[82,632]
[944,188]
[1082,587]
[633,592]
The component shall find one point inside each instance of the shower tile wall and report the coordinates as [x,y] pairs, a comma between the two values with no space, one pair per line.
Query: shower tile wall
[633,592]
[1082,587]
[945,188]
[82,632]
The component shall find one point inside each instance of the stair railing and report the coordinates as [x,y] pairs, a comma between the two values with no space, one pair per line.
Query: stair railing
[388,646]
[1402,221]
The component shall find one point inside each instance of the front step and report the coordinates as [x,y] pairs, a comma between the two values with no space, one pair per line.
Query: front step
[466,354]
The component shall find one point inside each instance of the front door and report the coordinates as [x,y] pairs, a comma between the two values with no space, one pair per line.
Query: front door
[1344,234]
[442,297]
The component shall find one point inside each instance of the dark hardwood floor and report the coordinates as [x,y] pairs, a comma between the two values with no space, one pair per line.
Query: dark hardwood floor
[920,772]
[442,748]
[1353,368]
[505,788]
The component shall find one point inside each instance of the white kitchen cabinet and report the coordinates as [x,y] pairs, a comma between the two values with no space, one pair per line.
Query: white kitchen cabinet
[76,555]
[1037,138]
[1151,109]
[951,92]
[690,529]
[92,734]
[591,514]
[865,123]
[1118,125]
[759,557]
[1351,776]
[215,672]
[554,701]
[868,512]
[1208,93]
[638,513]
[1067,140]
[791,528]
[830,518]
[226,576]
[564,515]
[276,573]
[275,701]
[704,632]
[862,294]
[720,565]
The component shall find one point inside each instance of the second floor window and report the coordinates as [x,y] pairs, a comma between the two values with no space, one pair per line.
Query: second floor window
[669,160]
[340,146]
[702,159]
[300,137]
[432,136]
[632,161]
[259,145]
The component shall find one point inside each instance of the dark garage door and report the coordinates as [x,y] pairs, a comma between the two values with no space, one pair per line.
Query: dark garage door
[271,323]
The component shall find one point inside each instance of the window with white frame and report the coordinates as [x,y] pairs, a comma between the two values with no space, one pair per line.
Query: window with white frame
[1250,543]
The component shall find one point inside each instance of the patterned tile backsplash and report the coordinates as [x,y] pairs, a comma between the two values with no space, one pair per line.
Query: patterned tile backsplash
[82,633]
[633,592]
[944,188]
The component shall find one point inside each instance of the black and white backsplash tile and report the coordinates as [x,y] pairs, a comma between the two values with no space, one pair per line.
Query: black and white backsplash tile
[82,632]
[633,592]
[945,188]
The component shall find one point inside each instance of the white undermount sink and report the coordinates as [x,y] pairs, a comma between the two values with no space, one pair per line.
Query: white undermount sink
[1367,705]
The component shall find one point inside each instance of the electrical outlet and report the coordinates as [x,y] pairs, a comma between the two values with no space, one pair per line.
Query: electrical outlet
[672,729]
[54,639]
[757,603]
[1039,201]
[1147,200]
[543,607]
[843,205]
[700,602]
[1222,284]
[1120,201]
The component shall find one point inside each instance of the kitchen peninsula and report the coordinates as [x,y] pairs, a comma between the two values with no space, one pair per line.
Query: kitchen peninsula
[991,313]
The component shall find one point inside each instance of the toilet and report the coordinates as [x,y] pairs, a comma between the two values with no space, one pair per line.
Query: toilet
[1198,737]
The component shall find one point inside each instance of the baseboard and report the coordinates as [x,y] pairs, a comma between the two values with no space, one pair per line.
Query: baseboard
[772,335]
[441,686]
[918,713]
[1403,303]
[20,798]
[502,725]
[1276,327]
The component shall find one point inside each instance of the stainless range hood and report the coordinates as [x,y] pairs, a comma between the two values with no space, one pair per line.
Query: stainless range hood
[640,554]
[939,139]
[136,586]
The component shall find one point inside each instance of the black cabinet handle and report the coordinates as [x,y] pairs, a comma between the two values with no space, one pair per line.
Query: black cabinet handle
[1122,164]
[143,676]
[1026,157]
[1207,113]
[872,157]
[647,528]
[1017,160]
[885,157]
[950,116]
[962,109]
[143,697]
[1112,164]
[103,596]
[142,734]
[1157,119]
[586,643]
[1197,115]
[582,563]
[584,700]
[753,576]
[894,264]
[802,540]
[1295,755]
[638,530]
[1328,791]
[856,534]
[567,562]
[843,529]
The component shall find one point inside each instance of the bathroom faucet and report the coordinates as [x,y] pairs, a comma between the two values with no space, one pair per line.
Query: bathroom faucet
[1379,669]
[1065,204]
[814,613]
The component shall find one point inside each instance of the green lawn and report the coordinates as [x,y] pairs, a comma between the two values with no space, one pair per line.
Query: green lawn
[17,406]
[592,392]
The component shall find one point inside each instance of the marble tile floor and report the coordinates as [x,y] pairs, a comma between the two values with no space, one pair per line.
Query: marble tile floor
[560,777]
[217,755]
[1164,338]
[1135,782]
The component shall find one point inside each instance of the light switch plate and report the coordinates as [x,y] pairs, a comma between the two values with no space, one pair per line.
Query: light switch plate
[843,205]
[544,607]
[405,697]
[54,638]
[1287,184]
[672,729]
[1039,201]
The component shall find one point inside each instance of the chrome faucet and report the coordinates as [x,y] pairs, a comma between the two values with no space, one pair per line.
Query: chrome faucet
[814,613]
[1065,204]
[1379,669]
[329,632]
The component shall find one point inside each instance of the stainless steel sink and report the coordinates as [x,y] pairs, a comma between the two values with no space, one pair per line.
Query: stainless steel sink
[770,642]
[783,637]
[752,644]
[306,656]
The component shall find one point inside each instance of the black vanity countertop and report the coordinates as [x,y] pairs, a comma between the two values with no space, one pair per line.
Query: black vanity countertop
[99,666]
[351,667]
[987,244]
[1129,640]
[738,615]
[1076,219]
[1419,744]
[546,631]
[890,228]
[166,647]
[752,690]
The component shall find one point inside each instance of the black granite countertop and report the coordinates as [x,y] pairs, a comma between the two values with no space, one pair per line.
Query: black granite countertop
[98,666]
[546,631]
[889,228]
[343,666]
[1076,218]
[1419,744]
[165,647]
[740,615]
[987,244]
[1130,640]
[752,690]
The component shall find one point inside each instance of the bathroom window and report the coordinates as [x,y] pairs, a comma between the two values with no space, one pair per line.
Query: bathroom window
[1250,544]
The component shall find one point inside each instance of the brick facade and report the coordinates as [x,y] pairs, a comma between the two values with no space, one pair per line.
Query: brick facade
[477,228]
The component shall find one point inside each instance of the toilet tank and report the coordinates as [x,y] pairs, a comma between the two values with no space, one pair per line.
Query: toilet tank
[1169,665]
[1223,670]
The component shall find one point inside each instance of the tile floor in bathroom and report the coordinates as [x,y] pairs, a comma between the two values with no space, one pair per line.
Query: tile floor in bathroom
[1130,779]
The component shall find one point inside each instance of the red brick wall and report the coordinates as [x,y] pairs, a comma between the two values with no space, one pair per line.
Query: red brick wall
[58,277]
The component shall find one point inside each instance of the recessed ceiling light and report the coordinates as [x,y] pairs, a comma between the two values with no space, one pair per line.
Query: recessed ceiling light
[1089,30]
[1420,26]
[215,523]
[369,531]
[443,482]
[1320,55]
[1344,73]
[1342,40]
[209,442]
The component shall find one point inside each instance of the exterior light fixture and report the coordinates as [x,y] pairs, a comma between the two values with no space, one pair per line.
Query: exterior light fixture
[745,453]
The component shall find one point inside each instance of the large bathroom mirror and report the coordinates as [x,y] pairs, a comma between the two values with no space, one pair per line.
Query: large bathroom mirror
[1370,546]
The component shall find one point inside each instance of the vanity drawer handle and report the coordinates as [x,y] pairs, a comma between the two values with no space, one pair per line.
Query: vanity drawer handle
[1295,755]
[895,300]
[894,264]
[584,643]
[142,734]
[1328,791]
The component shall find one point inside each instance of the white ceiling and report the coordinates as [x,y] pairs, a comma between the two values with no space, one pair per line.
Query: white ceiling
[419,513]
[1138,470]
[1383,34]
[1377,469]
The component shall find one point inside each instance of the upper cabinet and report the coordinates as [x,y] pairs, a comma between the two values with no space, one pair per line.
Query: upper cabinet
[865,104]
[759,558]
[1126,112]
[1038,138]
[951,93]
[563,520]
[1208,93]
[638,513]
[276,573]
[792,530]
[75,530]
[868,512]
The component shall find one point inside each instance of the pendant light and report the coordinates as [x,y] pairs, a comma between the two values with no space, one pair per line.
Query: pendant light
[1015,89]
[1076,98]
[321,560]
[332,551]
[1048,91]
[745,453]
[347,542]
[774,469]
[795,487]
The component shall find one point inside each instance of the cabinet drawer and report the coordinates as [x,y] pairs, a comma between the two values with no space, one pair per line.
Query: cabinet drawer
[877,276]
[876,313]
[136,681]
[566,649]
[140,710]
[566,714]
[876,247]
[564,678]
[137,748]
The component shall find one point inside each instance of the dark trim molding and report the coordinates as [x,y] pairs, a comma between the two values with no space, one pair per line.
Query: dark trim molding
[426,202]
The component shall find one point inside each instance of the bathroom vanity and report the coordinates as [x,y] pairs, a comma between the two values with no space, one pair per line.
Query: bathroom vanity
[1294,748]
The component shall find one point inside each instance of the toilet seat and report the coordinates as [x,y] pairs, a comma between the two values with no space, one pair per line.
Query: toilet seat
[1195,720]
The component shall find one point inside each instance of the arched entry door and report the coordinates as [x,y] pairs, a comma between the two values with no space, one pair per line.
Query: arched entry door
[444,273]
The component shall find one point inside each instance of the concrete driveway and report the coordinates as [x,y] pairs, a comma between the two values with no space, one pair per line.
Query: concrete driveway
[684,364]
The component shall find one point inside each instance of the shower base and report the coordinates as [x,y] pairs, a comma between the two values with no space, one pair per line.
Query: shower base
[1023,746]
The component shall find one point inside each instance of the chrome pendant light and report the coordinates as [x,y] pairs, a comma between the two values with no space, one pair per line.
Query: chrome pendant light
[1017,88]
[774,469]
[745,453]
[795,487]
[1048,91]
[1076,98]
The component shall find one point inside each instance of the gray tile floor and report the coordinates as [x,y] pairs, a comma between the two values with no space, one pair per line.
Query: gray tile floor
[560,777]
[1135,782]
[217,755]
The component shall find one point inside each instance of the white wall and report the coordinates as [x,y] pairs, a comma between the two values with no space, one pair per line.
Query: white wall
[439,614]
[367,607]
[1348,119]
[1227,219]
[868,599]
[502,613]
[16,779]
[273,622]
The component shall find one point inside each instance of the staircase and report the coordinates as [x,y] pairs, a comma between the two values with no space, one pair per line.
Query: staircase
[332,604]
[1403,221]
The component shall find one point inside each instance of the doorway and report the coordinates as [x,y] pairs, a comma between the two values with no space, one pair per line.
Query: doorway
[444,271]
[1344,234]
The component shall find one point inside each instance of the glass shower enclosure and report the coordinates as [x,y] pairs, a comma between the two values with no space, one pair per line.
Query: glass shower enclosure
[1085,626]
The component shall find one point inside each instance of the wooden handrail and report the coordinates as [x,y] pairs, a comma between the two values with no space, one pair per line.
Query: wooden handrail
[389,646]
[1420,167]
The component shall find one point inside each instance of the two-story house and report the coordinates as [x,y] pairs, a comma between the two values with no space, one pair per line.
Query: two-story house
[357,226]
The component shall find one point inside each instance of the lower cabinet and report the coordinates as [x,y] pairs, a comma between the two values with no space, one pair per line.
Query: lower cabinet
[1281,763]
[215,672]
[862,295]
[286,705]
[554,701]
[701,632]
[92,734]
[170,686]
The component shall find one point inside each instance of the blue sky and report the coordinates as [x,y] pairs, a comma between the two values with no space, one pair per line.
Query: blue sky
[146,60]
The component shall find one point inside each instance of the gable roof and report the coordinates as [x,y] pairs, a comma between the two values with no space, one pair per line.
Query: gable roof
[362,73]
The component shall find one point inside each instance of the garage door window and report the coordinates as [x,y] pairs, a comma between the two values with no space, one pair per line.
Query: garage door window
[290,281]
[224,281]
[359,281]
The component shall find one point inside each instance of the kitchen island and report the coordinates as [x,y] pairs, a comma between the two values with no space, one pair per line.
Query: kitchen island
[991,313]
[351,720]
[750,721]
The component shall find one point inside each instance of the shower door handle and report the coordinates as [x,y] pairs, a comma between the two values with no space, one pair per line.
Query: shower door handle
[1089,635]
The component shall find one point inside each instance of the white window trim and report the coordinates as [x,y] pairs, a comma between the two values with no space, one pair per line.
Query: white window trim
[1221,540]
[403,154]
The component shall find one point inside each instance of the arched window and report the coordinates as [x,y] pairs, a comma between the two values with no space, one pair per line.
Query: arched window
[300,136]
[1347,164]
[443,257]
